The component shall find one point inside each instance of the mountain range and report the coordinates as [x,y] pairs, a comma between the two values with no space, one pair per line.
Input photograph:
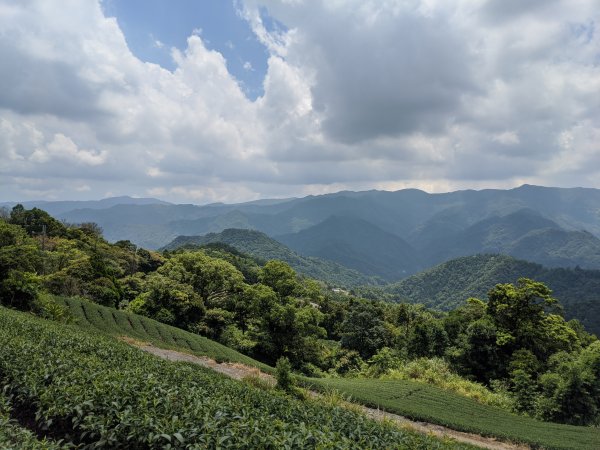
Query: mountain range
[390,235]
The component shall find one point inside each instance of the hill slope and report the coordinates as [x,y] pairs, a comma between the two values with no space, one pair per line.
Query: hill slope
[523,234]
[121,323]
[418,401]
[89,390]
[357,244]
[259,245]
[449,284]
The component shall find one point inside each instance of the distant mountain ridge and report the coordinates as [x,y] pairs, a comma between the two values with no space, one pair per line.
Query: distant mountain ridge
[259,245]
[391,234]
[357,244]
[64,206]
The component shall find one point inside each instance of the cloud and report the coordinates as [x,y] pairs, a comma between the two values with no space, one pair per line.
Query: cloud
[357,94]
[66,151]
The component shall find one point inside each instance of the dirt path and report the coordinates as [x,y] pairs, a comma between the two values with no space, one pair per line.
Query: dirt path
[240,371]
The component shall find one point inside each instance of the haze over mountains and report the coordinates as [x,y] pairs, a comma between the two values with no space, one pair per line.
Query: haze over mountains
[385,234]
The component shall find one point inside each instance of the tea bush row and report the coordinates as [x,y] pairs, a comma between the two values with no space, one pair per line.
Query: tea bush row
[100,393]
[420,401]
[122,323]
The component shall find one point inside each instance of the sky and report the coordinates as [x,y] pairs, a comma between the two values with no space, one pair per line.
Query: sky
[218,100]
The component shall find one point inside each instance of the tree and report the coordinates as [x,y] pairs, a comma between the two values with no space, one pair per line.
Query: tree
[518,310]
[169,301]
[280,277]
[289,330]
[35,221]
[364,330]
[571,391]
[214,280]
[521,315]
[19,289]
[478,354]
[383,361]
[283,374]
[427,339]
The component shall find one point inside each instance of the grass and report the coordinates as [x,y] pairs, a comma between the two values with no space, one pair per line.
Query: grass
[437,372]
[94,391]
[423,402]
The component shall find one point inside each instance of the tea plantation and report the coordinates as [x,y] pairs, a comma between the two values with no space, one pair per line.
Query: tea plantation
[429,403]
[95,392]
[120,323]
[418,401]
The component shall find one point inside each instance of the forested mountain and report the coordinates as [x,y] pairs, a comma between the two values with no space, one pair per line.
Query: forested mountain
[357,244]
[447,285]
[550,226]
[523,234]
[260,246]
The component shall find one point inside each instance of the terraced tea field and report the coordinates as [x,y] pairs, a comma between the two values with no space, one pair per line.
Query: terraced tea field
[121,323]
[93,391]
[417,401]
[431,404]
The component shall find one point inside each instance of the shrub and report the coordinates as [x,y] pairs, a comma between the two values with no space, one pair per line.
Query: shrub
[283,374]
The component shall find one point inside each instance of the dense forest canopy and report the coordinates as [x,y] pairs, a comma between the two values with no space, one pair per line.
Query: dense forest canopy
[513,343]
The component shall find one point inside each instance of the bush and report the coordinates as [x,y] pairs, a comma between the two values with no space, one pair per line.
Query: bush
[46,306]
[283,374]
[437,372]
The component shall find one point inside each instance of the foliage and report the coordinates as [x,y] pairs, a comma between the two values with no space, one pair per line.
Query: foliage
[420,401]
[364,330]
[437,372]
[447,285]
[13,436]
[268,311]
[95,391]
[48,307]
[283,375]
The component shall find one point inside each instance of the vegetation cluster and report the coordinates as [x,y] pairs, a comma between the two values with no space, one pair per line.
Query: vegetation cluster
[516,344]
[81,388]
[415,399]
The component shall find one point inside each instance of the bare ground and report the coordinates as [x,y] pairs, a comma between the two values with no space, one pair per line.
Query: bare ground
[240,371]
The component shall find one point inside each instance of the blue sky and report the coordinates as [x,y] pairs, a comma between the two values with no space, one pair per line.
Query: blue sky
[153,27]
[199,101]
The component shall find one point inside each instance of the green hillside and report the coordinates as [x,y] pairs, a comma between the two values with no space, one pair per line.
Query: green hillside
[544,366]
[415,400]
[261,246]
[428,403]
[82,388]
[447,285]
[357,244]
[120,323]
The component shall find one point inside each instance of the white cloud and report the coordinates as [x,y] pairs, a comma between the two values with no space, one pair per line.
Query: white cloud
[507,138]
[358,94]
[66,151]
